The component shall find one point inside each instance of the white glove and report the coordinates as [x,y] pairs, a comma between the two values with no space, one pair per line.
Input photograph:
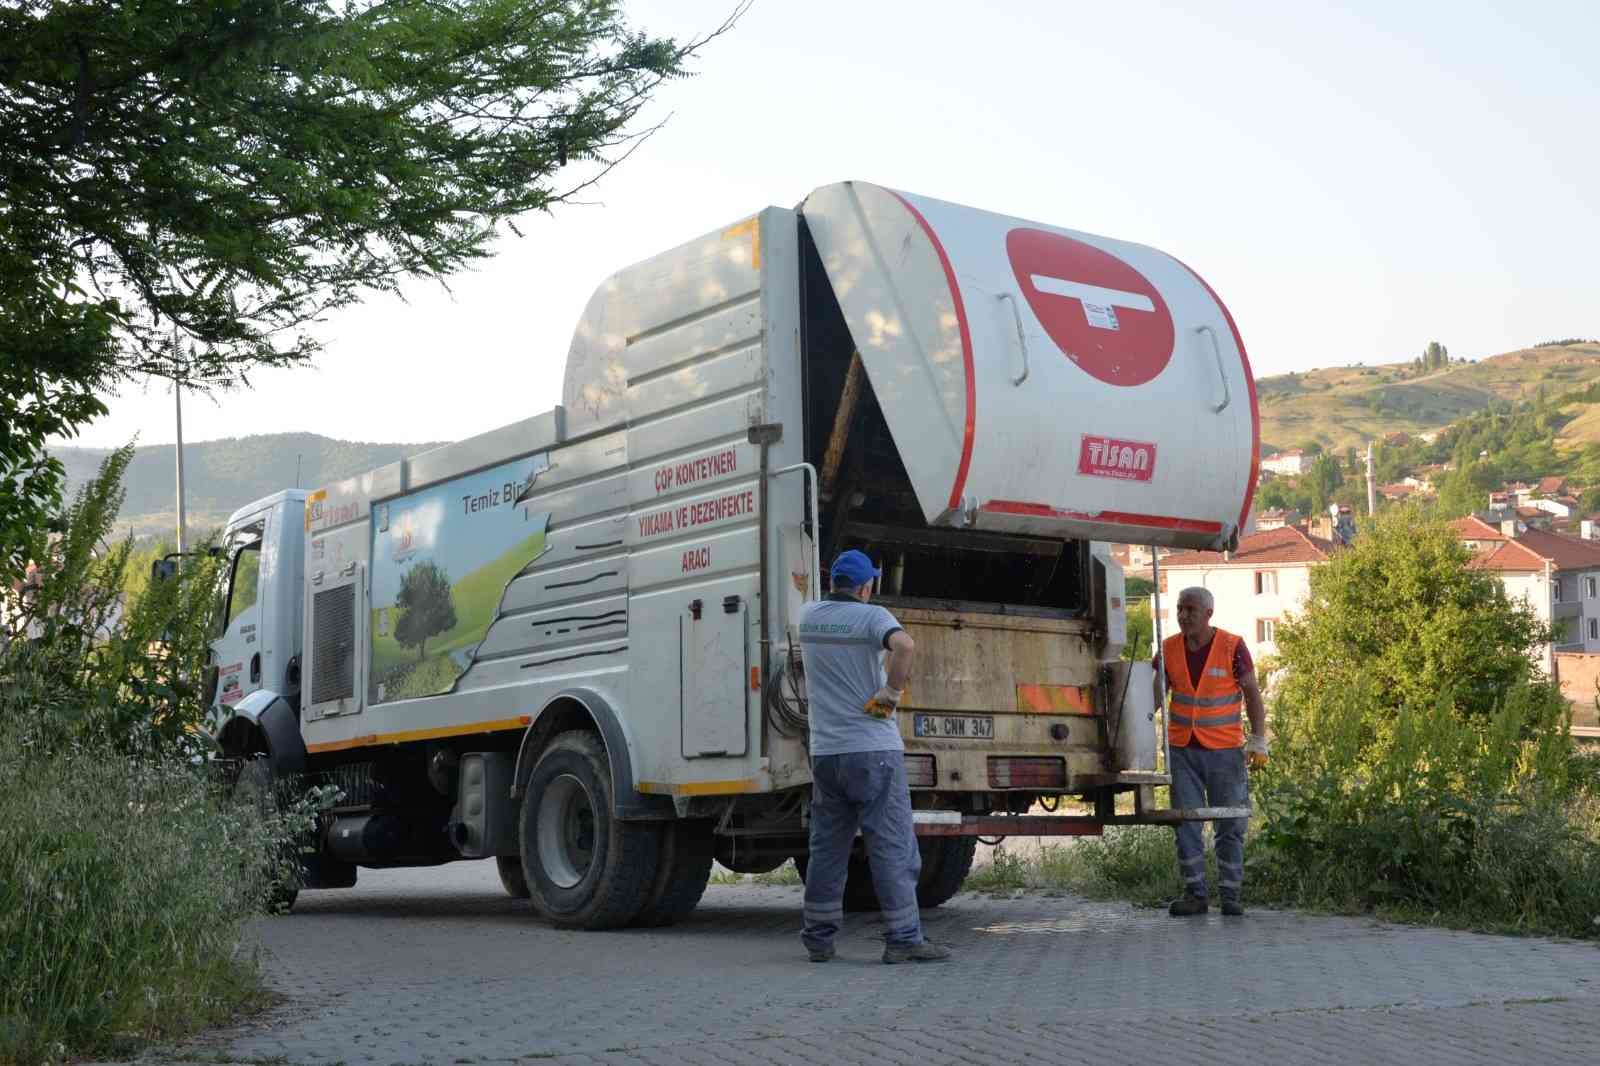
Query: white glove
[1255,751]
[883,702]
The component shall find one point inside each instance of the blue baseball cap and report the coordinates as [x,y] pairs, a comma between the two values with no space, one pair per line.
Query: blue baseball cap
[852,570]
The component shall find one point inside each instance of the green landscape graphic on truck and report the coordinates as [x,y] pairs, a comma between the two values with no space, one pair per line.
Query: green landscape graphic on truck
[441,560]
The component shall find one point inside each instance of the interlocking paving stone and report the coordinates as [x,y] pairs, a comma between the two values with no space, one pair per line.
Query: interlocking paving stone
[438,966]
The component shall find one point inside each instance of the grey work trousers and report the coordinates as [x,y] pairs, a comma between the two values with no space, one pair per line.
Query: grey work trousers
[1211,777]
[865,791]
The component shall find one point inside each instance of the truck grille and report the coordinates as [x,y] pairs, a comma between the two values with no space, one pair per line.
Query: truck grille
[920,771]
[1018,771]
[333,644]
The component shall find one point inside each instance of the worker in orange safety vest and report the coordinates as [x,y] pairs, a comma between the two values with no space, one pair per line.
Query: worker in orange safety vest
[1211,681]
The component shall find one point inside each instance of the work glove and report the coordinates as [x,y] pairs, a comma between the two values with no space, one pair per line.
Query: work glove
[1255,751]
[883,702]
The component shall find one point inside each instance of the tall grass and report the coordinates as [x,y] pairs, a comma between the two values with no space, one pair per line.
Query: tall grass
[125,886]
[127,874]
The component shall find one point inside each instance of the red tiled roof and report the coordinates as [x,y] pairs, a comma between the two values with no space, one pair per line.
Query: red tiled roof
[1564,552]
[1506,556]
[1532,549]
[1474,528]
[1553,483]
[1275,547]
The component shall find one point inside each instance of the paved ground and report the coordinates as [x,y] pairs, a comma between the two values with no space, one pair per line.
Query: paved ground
[439,967]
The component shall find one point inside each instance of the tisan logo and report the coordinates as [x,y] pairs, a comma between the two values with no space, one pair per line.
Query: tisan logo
[1128,460]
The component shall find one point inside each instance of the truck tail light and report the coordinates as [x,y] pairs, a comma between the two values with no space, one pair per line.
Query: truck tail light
[920,771]
[1017,771]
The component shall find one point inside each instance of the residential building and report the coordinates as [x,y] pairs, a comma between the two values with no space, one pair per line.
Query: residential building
[1481,535]
[1499,501]
[1256,587]
[1556,575]
[1554,485]
[1534,517]
[1397,492]
[1292,462]
[1276,518]
[1557,507]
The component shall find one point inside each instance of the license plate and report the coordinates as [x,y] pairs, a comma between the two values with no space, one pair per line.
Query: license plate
[953,726]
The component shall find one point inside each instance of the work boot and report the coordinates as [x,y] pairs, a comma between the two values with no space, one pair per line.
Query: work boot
[1231,907]
[927,951]
[822,954]
[1189,906]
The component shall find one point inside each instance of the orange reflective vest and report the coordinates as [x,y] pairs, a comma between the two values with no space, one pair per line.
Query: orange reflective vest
[1212,711]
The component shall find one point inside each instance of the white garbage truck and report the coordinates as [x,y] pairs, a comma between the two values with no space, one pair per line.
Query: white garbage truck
[568,644]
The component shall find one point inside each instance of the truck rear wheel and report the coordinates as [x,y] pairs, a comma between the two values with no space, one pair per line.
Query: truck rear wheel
[946,862]
[682,872]
[512,879]
[585,869]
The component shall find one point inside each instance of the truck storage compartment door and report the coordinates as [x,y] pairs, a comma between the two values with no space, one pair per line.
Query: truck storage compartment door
[715,663]
[1040,380]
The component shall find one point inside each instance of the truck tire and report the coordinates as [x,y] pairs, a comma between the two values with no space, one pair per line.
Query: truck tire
[257,786]
[682,872]
[585,869]
[946,862]
[859,892]
[512,878]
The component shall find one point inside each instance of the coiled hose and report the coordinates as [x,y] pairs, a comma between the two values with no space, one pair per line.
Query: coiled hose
[785,695]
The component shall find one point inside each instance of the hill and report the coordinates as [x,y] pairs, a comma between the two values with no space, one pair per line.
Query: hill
[222,475]
[1344,406]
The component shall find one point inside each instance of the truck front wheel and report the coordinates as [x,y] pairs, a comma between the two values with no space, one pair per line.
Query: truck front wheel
[585,869]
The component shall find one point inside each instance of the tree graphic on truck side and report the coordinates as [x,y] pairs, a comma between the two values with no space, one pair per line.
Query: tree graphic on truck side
[426,605]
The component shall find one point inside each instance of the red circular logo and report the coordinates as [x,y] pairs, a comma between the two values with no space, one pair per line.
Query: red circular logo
[1101,312]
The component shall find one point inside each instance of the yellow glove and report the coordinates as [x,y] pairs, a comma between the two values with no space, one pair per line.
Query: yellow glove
[1255,752]
[883,702]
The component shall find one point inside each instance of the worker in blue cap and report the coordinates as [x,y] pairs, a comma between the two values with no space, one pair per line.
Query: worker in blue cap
[858,773]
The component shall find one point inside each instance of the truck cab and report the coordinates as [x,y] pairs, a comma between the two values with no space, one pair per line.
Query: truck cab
[257,650]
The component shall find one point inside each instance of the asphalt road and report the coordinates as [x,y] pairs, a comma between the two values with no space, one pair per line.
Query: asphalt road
[438,966]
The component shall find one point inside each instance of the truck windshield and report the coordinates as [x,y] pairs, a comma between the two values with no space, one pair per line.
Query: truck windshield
[242,587]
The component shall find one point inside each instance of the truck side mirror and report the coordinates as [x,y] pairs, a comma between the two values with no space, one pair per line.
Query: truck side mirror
[163,569]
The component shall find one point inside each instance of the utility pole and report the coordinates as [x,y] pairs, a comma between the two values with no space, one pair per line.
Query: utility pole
[1372,485]
[177,400]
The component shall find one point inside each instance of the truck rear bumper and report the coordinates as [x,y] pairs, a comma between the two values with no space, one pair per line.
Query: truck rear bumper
[956,824]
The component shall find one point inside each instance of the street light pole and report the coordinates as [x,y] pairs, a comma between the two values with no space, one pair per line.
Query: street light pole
[177,399]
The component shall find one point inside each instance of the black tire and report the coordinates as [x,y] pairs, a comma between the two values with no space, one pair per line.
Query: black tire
[859,892]
[585,869]
[946,862]
[682,872]
[512,878]
[257,785]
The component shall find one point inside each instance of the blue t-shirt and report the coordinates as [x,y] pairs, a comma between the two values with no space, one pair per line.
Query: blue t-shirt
[842,644]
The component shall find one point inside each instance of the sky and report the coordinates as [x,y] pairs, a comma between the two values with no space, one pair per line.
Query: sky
[1354,180]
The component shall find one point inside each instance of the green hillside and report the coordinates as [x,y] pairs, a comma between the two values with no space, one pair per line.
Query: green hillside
[1343,406]
[223,475]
